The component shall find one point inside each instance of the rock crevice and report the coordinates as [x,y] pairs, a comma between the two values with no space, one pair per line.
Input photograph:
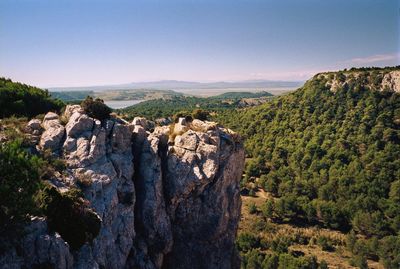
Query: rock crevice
[167,198]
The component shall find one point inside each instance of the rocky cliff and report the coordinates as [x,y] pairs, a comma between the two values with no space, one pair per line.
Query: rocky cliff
[378,79]
[166,199]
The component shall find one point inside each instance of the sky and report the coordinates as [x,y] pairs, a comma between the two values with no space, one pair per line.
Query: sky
[64,43]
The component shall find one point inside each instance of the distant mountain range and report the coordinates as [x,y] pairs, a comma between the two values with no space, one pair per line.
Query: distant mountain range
[181,85]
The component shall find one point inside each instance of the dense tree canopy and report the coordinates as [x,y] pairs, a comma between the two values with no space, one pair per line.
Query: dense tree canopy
[163,108]
[22,100]
[329,157]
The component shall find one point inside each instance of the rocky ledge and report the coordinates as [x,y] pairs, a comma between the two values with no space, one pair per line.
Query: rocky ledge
[166,199]
[379,79]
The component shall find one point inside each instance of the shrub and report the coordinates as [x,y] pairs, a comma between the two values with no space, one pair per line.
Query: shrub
[325,243]
[69,215]
[253,259]
[253,208]
[281,244]
[96,108]
[271,261]
[389,251]
[200,114]
[268,208]
[323,265]
[247,241]
[19,180]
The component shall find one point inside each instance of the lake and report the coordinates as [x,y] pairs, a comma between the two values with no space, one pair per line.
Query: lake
[117,104]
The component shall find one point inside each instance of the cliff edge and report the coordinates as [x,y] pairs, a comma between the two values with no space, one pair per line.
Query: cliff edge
[166,199]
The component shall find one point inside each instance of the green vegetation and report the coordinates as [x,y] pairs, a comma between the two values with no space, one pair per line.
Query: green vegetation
[330,159]
[69,215]
[164,108]
[96,108]
[71,96]
[240,95]
[116,95]
[19,181]
[22,100]
[25,192]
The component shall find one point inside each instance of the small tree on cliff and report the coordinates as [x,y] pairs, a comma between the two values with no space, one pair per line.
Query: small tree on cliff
[96,108]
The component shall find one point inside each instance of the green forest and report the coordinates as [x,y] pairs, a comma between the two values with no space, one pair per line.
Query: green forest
[17,99]
[164,108]
[322,176]
[328,159]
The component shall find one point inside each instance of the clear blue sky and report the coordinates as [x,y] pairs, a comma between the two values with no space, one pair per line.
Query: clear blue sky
[76,43]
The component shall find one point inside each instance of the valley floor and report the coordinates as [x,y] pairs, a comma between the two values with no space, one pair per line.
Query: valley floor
[338,258]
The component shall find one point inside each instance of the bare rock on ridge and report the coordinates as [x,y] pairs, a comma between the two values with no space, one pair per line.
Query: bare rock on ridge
[166,199]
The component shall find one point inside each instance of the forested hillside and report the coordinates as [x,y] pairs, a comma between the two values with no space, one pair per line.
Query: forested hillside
[23,100]
[327,155]
[163,108]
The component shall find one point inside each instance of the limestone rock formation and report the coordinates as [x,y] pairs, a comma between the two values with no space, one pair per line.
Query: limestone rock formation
[54,132]
[167,199]
[380,80]
[391,80]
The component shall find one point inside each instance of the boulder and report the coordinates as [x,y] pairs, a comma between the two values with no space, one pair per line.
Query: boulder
[54,133]
[79,123]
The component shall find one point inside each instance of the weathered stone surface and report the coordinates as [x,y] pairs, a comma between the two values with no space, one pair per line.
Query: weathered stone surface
[205,204]
[39,248]
[53,134]
[391,81]
[79,123]
[163,203]
[141,122]
[34,125]
[71,109]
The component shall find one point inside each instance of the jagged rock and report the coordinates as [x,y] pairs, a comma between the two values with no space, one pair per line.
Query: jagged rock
[202,126]
[141,122]
[387,80]
[181,126]
[53,134]
[163,121]
[391,81]
[39,248]
[152,219]
[79,123]
[71,109]
[34,127]
[163,203]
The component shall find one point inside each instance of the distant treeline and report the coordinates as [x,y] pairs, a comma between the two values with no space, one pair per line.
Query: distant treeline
[163,108]
[17,99]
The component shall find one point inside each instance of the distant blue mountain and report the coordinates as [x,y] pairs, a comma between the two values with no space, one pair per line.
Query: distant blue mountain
[179,85]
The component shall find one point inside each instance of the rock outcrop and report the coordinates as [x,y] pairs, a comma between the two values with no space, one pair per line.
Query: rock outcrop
[379,80]
[167,199]
[391,80]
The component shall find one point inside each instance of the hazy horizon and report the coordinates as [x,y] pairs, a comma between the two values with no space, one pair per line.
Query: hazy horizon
[85,43]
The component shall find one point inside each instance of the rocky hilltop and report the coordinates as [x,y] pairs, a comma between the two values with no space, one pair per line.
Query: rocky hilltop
[166,199]
[376,79]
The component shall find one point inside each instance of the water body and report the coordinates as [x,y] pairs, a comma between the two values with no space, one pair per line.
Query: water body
[117,104]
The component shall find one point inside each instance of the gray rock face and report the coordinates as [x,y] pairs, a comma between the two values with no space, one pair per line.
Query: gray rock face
[389,80]
[203,170]
[38,249]
[54,132]
[166,200]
